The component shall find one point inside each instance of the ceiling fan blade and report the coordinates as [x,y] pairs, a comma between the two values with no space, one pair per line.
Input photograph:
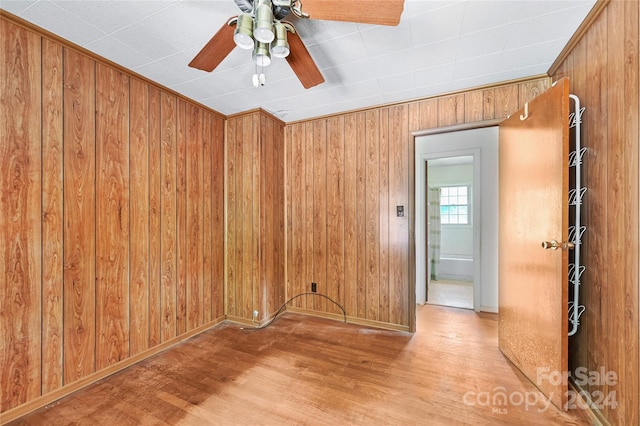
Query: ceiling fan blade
[220,45]
[380,12]
[302,63]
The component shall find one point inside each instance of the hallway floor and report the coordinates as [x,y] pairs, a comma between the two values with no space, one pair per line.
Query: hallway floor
[456,294]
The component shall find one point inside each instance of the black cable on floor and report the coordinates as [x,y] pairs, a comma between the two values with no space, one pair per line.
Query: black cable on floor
[284,305]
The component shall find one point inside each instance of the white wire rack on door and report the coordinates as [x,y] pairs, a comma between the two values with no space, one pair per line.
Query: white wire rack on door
[576,196]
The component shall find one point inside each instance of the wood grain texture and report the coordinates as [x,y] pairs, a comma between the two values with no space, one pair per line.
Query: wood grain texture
[361,279]
[218,225]
[335,212]
[603,67]
[90,224]
[231,232]
[194,217]
[155,215]
[505,100]
[350,216]
[140,216]
[20,241]
[168,215]
[245,209]
[255,223]
[309,227]
[399,228]
[533,283]
[451,110]
[372,215]
[181,217]
[319,250]
[112,215]
[474,106]
[385,215]
[373,150]
[52,217]
[79,216]
[207,217]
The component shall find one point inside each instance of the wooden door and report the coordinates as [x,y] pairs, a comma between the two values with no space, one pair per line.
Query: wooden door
[533,282]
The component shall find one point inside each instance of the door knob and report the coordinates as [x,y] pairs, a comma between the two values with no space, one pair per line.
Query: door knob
[554,245]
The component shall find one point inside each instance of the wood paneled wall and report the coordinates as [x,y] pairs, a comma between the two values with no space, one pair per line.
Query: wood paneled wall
[111,217]
[255,216]
[346,175]
[603,68]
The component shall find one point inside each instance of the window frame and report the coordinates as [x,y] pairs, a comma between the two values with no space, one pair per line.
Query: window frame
[468,205]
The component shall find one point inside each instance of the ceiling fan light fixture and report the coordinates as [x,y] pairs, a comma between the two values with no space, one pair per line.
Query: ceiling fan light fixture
[243,34]
[261,55]
[263,23]
[280,45]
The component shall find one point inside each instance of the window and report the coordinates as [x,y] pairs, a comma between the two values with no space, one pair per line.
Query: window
[454,205]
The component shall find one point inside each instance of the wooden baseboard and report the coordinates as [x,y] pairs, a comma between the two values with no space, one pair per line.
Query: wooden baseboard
[50,397]
[350,320]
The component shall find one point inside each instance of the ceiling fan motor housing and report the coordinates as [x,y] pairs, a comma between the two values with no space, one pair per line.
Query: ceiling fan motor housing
[279,12]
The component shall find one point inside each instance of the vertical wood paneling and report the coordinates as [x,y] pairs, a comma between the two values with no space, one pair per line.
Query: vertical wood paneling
[350,217]
[385,215]
[297,236]
[194,221]
[112,213]
[232,222]
[155,210]
[488,105]
[451,110]
[603,68]
[372,151]
[428,114]
[473,106]
[617,200]
[79,216]
[309,227]
[207,217]
[256,259]
[52,216]
[361,211]
[399,191]
[255,222]
[140,215]
[372,215]
[631,179]
[89,218]
[217,188]
[20,175]
[505,100]
[181,217]
[169,241]
[246,211]
[530,89]
[319,208]
[278,282]
[335,212]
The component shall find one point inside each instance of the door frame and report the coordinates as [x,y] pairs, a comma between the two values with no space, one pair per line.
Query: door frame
[421,234]
[418,171]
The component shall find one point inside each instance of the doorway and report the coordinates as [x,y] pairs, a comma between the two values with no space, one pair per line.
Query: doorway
[481,144]
[450,222]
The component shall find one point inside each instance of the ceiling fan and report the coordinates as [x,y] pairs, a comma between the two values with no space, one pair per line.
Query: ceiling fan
[260,27]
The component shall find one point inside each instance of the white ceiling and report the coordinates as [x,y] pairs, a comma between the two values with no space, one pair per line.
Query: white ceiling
[438,47]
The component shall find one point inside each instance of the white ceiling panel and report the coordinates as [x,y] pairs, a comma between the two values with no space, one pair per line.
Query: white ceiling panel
[439,46]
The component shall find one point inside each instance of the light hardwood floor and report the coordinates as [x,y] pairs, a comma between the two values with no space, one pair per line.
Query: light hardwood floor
[306,370]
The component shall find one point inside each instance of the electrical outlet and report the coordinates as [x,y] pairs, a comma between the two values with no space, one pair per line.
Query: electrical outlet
[255,314]
[314,287]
